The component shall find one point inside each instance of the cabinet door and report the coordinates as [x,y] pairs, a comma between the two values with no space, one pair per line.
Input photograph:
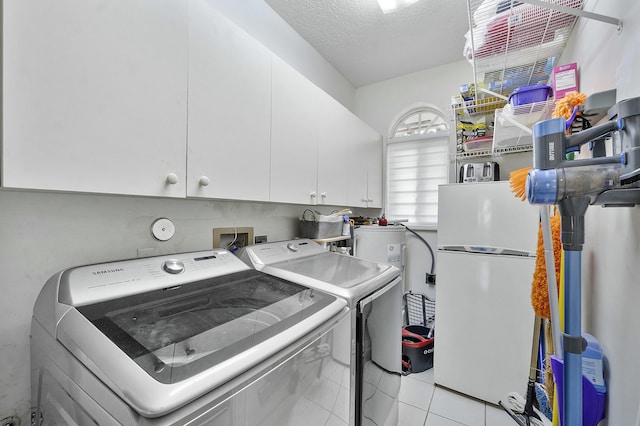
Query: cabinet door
[333,151]
[95,96]
[365,182]
[357,184]
[374,169]
[294,136]
[229,109]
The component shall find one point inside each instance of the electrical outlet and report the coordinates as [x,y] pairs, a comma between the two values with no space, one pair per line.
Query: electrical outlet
[260,239]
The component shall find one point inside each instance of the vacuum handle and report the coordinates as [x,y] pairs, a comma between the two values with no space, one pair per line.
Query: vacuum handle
[587,135]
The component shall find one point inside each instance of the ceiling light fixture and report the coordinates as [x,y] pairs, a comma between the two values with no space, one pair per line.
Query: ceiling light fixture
[389,6]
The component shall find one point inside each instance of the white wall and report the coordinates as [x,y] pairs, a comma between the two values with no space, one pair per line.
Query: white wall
[418,262]
[610,270]
[261,22]
[380,104]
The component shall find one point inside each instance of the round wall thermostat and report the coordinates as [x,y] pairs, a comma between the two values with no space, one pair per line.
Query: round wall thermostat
[163,229]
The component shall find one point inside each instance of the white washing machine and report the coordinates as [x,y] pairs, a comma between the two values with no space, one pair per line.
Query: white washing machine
[187,339]
[374,295]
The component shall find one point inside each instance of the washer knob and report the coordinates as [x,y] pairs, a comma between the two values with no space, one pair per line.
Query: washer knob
[292,247]
[173,266]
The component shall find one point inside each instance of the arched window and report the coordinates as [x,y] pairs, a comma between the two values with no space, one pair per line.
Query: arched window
[417,162]
[419,121]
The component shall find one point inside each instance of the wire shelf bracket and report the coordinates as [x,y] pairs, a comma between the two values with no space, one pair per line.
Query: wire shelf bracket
[577,12]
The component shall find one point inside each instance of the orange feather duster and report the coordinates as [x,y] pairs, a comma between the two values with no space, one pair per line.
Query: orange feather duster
[540,287]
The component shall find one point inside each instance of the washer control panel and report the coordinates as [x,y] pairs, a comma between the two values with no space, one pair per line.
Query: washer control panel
[94,283]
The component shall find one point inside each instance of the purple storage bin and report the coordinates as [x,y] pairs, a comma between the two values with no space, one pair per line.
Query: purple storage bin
[592,400]
[530,94]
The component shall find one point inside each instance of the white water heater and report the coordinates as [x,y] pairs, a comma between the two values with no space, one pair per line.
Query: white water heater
[384,244]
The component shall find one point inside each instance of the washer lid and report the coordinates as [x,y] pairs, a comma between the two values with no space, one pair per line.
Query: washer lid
[160,349]
[176,333]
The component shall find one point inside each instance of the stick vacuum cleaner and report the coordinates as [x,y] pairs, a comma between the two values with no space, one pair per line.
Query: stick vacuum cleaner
[573,185]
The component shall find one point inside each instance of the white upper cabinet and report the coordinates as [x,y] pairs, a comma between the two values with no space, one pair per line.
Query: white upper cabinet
[365,172]
[294,136]
[95,96]
[229,116]
[334,137]
[169,98]
[321,154]
[374,170]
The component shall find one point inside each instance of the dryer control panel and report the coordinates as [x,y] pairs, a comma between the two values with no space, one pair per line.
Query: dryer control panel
[270,253]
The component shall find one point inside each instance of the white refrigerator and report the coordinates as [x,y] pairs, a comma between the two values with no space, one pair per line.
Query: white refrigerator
[487,241]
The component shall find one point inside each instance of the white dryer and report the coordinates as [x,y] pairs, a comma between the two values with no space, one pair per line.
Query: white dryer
[187,339]
[374,294]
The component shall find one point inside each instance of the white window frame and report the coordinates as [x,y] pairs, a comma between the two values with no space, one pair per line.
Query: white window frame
[436,148]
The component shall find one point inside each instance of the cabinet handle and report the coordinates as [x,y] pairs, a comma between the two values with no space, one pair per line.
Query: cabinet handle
[323,195]
[364,200]
[204,181]
[313,194]
[172,178]
[369,200]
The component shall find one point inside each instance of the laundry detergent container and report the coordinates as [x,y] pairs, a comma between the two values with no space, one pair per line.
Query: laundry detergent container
[594,389]
[417,349]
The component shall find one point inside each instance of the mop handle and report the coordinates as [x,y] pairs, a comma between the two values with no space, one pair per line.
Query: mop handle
[551,281]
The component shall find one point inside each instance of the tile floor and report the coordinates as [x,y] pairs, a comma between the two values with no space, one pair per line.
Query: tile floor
[424,404]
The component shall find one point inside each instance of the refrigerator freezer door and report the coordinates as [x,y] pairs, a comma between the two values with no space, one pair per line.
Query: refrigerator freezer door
[484,324]
[486,216]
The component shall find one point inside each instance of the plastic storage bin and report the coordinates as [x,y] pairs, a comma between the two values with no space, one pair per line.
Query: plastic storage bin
[418,332]
[482,143]
[417,349]
[317,226]
[507,135]
[530,94]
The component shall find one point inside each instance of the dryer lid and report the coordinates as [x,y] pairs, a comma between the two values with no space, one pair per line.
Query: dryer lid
[349,277]
[340,270]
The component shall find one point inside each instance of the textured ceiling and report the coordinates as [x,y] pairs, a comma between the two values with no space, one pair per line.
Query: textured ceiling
[367,46]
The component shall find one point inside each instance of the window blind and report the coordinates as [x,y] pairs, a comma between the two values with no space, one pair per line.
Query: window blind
[415,168]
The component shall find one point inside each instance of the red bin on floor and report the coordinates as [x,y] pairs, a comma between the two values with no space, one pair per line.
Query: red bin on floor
[417,349]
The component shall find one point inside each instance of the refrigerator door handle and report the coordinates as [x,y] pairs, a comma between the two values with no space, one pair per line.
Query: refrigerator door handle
[488,250]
